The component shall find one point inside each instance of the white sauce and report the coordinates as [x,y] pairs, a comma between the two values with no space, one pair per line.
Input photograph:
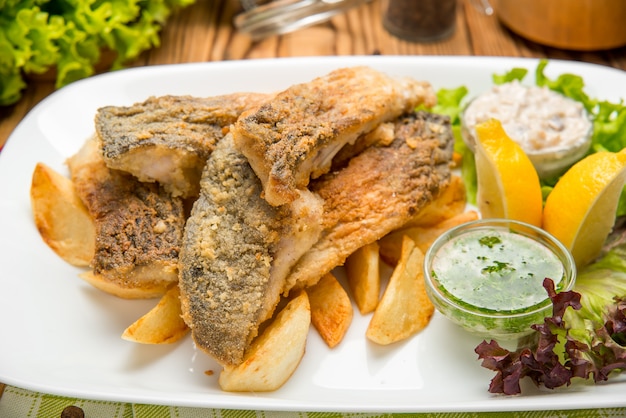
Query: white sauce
[538,119]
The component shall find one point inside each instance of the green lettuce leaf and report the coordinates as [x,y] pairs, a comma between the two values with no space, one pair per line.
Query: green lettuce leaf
[450,103]
[609,122]
[609,119]
[569,85]
[512,75]
[584,338]
[70,35]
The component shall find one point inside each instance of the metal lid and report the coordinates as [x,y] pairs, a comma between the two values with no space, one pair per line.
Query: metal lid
[283,16]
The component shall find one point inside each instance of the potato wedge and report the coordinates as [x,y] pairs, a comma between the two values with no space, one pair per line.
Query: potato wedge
[60,216]
[423,236]
[116,289]
[331,309]
[362,270]
[163,324]
[404,308]
[275,354]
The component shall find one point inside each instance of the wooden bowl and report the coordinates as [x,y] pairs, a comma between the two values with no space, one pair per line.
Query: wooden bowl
[583,25]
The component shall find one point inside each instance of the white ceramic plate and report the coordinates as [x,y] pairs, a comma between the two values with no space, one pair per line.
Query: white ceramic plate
[60,336]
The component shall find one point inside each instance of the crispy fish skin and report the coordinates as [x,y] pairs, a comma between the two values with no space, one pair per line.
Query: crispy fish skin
[167,139]
[139,226]
[380,190]
[237,251]
[293,136]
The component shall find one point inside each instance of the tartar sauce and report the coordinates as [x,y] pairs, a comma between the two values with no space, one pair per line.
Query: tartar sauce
[496,270]
[537,118]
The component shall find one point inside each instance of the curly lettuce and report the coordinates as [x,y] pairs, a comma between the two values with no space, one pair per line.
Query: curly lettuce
[69,36]
[609,120]
[450,103]
[585,338]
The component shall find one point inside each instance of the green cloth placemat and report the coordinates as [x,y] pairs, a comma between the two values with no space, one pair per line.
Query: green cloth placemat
[21,403]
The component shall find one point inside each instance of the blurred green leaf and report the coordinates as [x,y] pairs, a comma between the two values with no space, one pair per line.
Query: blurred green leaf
[69,36]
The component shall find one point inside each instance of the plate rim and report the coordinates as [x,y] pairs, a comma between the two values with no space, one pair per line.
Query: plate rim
[233,402]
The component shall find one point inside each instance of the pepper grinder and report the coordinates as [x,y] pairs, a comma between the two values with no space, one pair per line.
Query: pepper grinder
[420,20]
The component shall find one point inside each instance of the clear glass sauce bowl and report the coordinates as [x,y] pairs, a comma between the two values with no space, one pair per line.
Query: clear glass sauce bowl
[496,292]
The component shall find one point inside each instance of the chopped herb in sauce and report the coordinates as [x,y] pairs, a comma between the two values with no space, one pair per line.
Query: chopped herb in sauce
[495,270]
[498,267]
[489,241]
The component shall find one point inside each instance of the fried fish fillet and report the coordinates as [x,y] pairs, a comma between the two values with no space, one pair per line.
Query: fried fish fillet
[139,226]
[237,251]
[168,139]
[294,136]
[379,191]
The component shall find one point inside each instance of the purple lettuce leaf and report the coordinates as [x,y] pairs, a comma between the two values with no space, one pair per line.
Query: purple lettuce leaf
[559,355]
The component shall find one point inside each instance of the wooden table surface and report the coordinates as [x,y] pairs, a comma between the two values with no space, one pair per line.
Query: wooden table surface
[204,32]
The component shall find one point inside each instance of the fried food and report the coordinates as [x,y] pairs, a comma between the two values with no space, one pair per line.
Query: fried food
[61,217]
[451,202]
[423,236]
[331,309]
[275,354]
[167,139]
[404,308]
[237,251]
[295,135]
[363,272]
[138,226]
[163,324]
[379,191]
[382,135]
[147,290]
[299,184]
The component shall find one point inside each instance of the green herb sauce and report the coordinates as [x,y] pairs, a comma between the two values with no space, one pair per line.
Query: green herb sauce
[496,270]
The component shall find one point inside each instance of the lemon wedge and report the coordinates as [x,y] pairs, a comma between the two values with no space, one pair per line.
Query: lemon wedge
[580,210]
[508,184]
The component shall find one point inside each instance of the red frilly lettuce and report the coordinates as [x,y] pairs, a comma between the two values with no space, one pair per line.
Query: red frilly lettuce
[584,338]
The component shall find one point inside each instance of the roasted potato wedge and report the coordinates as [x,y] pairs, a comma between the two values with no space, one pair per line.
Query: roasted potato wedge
[331,309]
[60,216]
[116,289]
[163,324]
[275,354]
[423,236]
[363,272]
[404,308]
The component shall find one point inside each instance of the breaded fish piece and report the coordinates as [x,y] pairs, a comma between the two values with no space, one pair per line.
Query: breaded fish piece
[379,191]
[295,135]
[237,251]
[139,226]
[168,139]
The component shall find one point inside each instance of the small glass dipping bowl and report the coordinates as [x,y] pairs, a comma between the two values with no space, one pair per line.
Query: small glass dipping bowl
[487,276]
